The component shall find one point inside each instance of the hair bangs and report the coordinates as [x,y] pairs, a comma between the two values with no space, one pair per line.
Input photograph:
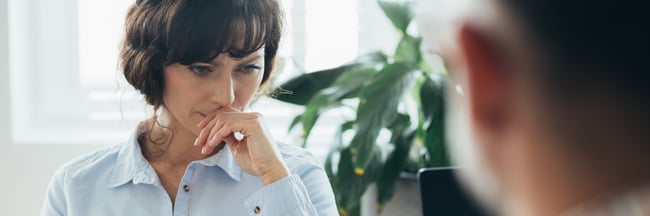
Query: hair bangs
[202,30]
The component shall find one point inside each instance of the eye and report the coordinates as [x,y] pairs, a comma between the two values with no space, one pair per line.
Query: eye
[251,68]
[199,69]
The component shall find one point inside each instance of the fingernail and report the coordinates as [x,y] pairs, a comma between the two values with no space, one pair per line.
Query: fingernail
[203,150]
[196,142]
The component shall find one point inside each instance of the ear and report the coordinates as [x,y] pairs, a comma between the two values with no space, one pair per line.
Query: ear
[487,80]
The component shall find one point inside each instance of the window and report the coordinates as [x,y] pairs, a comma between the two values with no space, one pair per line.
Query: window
[66,87]
[63,63]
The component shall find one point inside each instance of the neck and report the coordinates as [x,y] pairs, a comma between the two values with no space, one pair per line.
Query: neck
[171,144]
[549,181]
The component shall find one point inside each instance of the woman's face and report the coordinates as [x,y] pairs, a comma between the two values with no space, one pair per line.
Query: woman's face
[192,91]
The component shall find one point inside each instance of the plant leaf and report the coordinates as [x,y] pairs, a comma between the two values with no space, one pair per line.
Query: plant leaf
[377,107]
[349,187]
[352,83]
[392,168]
[408,50]
[402,139]
[356,77]
[294,122]
[399,13]
[336,147]
[301,89]
[313,109]
[371,58]
[348,85]
[433,108]
[431,98]
[398,124]
[435,143]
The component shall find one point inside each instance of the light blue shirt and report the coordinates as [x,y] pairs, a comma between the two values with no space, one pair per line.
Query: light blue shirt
[119,181]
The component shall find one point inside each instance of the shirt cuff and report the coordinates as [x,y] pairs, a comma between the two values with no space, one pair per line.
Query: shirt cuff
[287,196]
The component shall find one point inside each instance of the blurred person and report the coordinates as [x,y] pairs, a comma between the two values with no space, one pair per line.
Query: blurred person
[549,107]
[199,63]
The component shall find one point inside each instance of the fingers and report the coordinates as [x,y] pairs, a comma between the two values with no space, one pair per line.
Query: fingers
[205,132]
[230,139]
[209,117]
[226,132]
[206,125]
[209,148]
[222,126]
[213,131]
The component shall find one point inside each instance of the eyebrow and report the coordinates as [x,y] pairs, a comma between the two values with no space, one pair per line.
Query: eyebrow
[247,59]
[252,57]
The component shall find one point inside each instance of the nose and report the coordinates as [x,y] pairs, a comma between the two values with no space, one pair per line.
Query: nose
[223,91]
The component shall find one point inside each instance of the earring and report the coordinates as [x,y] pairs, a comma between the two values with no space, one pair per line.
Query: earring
[162,117]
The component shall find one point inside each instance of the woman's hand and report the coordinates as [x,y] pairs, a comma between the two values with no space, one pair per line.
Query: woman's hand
[253,152]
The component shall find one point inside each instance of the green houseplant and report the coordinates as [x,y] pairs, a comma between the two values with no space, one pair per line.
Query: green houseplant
[376,86]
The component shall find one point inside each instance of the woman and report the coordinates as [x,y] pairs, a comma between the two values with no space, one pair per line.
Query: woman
[198,63]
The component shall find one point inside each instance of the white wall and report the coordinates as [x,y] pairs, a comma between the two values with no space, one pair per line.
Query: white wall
[25,170]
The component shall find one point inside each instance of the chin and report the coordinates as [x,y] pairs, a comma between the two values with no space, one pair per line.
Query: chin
[474,173]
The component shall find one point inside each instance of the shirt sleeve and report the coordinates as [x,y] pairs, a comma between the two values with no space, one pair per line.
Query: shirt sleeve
[309,193]
[54,204]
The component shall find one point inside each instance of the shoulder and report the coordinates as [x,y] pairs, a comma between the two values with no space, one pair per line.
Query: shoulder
[89,165]
[298,159]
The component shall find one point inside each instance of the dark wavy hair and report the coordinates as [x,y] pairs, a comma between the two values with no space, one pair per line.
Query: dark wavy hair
[164,32]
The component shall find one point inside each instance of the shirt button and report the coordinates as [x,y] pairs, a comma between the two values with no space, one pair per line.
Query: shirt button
[257,210]
[186,188]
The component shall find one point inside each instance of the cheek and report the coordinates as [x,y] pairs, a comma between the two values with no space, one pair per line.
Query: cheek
[246,89]
[172,84]
[260,76]
[178,89]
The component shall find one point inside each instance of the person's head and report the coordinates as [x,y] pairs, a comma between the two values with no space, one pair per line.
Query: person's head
[549,87]
[192,57]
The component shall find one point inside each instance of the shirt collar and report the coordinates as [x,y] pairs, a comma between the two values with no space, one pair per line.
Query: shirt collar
[131,166]
[226,161]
